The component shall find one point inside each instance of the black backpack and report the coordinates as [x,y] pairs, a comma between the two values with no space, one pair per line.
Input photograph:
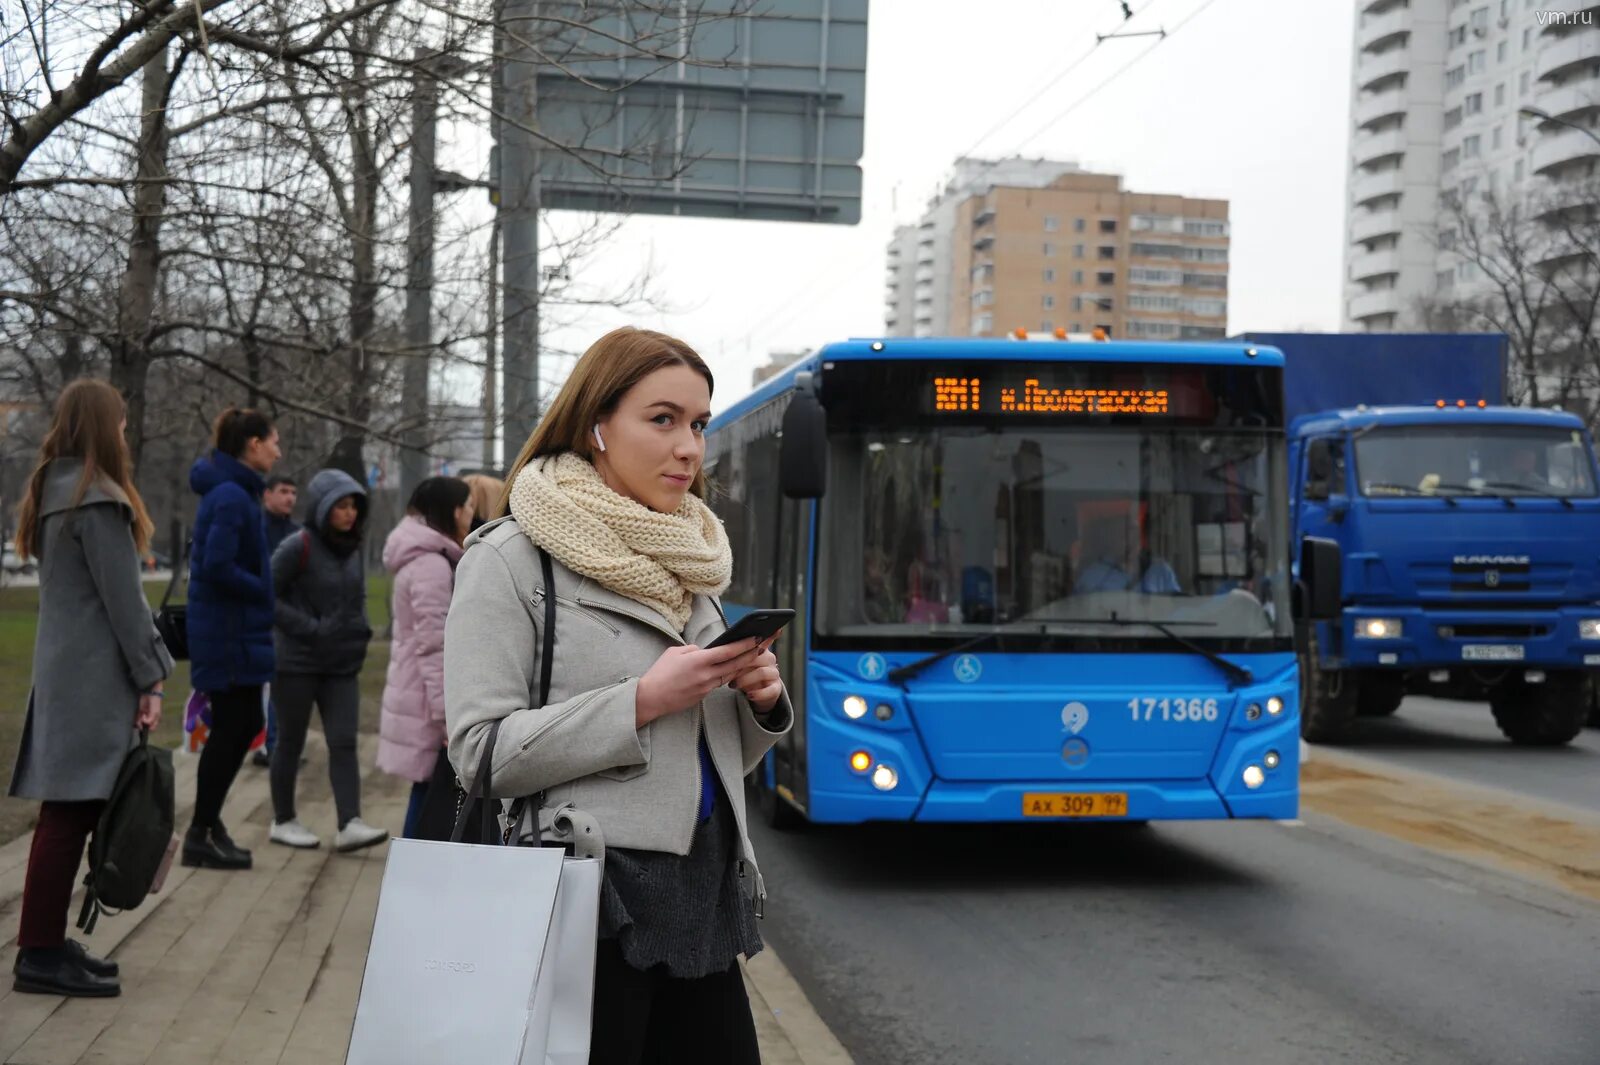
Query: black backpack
[135,830]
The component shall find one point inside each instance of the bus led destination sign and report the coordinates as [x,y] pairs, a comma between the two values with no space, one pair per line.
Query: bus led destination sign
[966,394]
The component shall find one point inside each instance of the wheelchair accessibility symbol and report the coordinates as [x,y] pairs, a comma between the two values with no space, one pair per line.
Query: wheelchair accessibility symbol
[872,667]
[967,669]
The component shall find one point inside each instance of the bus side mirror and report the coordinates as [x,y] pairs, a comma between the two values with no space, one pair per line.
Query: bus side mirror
[1321,579]
[803,457]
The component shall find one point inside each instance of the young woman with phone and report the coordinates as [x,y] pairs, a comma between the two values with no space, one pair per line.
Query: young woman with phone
[647,728]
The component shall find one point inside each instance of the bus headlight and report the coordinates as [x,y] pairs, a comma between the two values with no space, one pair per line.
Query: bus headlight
[884,778]
[1589,629]
[1380,628]
[855,707]
[1272,759]
[1254,777]
[1274,705]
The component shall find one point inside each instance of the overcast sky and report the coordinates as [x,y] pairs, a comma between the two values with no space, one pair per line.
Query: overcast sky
[1248,102]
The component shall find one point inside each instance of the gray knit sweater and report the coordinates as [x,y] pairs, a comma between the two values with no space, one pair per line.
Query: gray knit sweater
[690,914]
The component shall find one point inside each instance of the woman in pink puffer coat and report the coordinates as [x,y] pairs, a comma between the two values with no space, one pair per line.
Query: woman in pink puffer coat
[421,554]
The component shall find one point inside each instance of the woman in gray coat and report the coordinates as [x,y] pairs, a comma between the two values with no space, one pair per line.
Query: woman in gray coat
[98,669]
[647,729]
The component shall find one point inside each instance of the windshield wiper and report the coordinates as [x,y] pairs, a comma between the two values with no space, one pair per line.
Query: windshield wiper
[1534,489]
[1236,673]
[903,673]
[1411,491]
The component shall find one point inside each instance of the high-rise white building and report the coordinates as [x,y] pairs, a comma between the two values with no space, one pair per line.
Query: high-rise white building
[1438,100]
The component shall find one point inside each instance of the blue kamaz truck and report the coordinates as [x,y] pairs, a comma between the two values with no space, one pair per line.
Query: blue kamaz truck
[1470,533]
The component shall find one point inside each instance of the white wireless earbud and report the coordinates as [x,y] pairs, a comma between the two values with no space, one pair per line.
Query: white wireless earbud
[599,440]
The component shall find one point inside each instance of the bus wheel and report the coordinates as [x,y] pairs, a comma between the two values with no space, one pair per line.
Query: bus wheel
[774,810]
[1593,689]
[1327,698]
[1379,694]
[1541,715]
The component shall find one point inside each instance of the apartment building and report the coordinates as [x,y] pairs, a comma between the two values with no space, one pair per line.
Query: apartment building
[1047,246]
[1452,99]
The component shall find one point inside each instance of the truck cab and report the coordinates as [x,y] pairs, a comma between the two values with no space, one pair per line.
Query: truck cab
[1469,535]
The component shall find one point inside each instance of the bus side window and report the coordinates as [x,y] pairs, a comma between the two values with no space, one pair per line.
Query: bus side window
[1325,472]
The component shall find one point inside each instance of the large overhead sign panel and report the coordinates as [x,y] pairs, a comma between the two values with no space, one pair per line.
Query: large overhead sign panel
[713,108]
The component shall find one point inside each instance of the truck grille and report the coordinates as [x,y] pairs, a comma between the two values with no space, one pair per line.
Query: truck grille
[1493,630]
[1489,581]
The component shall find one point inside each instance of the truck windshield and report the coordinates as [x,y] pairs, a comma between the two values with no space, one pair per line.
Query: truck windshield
[1412,460]
[949,531]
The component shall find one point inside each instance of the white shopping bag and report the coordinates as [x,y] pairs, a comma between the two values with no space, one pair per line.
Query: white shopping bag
[479,954]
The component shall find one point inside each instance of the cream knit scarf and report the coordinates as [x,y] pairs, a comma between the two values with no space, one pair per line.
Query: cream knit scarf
[660,560]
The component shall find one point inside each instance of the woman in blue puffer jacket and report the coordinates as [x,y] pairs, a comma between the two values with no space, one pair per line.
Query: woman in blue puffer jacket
[230,618]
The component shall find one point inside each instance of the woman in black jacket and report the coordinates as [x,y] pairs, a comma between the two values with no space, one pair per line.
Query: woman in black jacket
[321,639]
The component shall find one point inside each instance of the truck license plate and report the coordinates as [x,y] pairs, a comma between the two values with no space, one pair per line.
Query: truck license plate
[1492,652]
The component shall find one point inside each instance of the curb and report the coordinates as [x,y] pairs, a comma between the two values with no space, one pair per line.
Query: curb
[779,999]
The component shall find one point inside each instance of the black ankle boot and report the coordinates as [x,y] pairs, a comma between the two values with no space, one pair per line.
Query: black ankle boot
[220,833]
[98,966]
[57,971]
[202,850]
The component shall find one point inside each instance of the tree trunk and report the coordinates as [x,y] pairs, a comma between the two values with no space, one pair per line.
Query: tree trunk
[130,355]
[364,196]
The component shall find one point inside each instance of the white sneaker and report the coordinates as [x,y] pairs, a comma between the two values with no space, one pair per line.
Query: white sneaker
[294,834]
[358,834]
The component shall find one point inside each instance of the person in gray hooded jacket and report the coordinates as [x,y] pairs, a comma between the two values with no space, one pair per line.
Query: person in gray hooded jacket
[320,635]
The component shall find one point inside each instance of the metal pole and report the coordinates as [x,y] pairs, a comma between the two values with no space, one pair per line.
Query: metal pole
[491,384]
[519,214]
[491,396]
[419,277]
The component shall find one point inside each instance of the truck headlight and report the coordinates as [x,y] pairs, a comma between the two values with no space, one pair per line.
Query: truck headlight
[1589,629]
[1379,628]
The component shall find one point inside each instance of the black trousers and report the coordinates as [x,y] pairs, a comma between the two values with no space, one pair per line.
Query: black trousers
[235,721]
[339,700]
[650,1018]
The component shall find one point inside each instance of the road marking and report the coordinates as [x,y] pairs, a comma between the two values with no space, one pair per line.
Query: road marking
[1483,826]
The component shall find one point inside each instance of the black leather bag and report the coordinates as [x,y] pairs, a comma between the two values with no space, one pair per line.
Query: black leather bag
[172,619]
[448,813]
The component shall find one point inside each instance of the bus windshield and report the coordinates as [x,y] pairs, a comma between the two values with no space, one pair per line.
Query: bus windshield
[1409,460]
[956,529]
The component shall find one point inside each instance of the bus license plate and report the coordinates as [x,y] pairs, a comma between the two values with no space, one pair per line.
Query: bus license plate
[1492,652]
[1074,804]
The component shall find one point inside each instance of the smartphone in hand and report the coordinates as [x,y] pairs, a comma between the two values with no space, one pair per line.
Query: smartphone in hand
[760,624]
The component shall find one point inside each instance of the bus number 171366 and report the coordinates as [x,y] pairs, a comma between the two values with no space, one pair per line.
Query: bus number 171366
[1173,709]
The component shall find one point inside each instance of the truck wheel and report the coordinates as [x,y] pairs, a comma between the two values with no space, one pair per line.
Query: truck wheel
[1541,715]
[1379,695]
[1327,698]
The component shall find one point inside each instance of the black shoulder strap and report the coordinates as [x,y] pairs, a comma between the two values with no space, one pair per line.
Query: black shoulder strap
[548,651]
[481,785]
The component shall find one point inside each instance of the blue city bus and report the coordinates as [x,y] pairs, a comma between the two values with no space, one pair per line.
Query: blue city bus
[1033,579]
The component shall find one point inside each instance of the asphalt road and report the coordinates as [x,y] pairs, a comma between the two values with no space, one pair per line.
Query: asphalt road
[1460,740]
[1244,944]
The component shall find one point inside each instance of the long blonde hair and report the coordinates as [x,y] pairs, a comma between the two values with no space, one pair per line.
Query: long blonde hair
[486,493]
[612,365]
[87,425]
